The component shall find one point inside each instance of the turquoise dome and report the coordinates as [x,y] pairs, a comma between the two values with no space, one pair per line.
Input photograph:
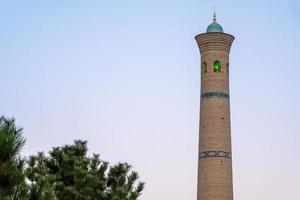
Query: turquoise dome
[214,28]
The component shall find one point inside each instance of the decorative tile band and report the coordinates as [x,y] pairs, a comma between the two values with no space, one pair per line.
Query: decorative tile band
[215,94]
[207,154]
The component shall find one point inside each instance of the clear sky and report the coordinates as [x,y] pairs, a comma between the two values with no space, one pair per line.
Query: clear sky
[125,76]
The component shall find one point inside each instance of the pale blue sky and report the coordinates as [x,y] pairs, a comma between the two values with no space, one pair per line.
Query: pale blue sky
[124,75]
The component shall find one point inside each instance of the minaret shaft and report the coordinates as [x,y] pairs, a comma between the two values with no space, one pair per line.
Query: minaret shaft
[215,164]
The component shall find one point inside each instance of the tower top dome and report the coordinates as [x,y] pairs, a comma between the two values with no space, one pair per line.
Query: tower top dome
[214,27]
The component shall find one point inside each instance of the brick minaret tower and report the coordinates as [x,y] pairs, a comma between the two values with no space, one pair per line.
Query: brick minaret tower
[214,163]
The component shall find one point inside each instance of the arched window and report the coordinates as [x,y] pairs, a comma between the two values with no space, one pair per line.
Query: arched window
[204,67]
[227,68]
[217,66]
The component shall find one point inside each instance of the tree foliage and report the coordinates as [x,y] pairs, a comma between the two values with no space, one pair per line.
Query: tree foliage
[66,173]
[12,178]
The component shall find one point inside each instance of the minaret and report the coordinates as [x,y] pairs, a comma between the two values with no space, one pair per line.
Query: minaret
[214,162]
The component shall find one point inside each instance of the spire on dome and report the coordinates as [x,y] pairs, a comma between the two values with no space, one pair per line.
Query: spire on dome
[215,15]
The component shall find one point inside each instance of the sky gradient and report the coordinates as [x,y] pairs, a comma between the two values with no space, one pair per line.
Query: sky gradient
[125,76]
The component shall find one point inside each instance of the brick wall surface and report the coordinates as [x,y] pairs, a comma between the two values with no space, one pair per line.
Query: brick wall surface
[215,165]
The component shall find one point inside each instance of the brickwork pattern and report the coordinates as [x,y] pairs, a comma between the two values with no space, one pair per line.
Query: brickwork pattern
[215,172]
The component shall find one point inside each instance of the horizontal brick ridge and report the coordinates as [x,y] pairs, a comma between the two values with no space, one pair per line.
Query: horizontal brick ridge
[207,154]
[214,41]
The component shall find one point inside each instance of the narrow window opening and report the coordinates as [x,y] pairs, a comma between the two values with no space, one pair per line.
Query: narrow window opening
[217,66]
[204,67]
[227,68]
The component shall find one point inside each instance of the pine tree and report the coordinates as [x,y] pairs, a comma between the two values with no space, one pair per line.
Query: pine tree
[12,178]
[69,174]
[66,173]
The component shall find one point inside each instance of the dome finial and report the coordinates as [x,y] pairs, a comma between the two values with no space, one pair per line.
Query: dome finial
[214,27]
[215,15]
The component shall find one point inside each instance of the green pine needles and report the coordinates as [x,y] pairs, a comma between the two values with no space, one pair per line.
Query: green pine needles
[12,185]
[66,173]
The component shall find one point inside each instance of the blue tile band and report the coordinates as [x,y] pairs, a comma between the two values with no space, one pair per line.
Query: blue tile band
[215,94]
[207,154]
